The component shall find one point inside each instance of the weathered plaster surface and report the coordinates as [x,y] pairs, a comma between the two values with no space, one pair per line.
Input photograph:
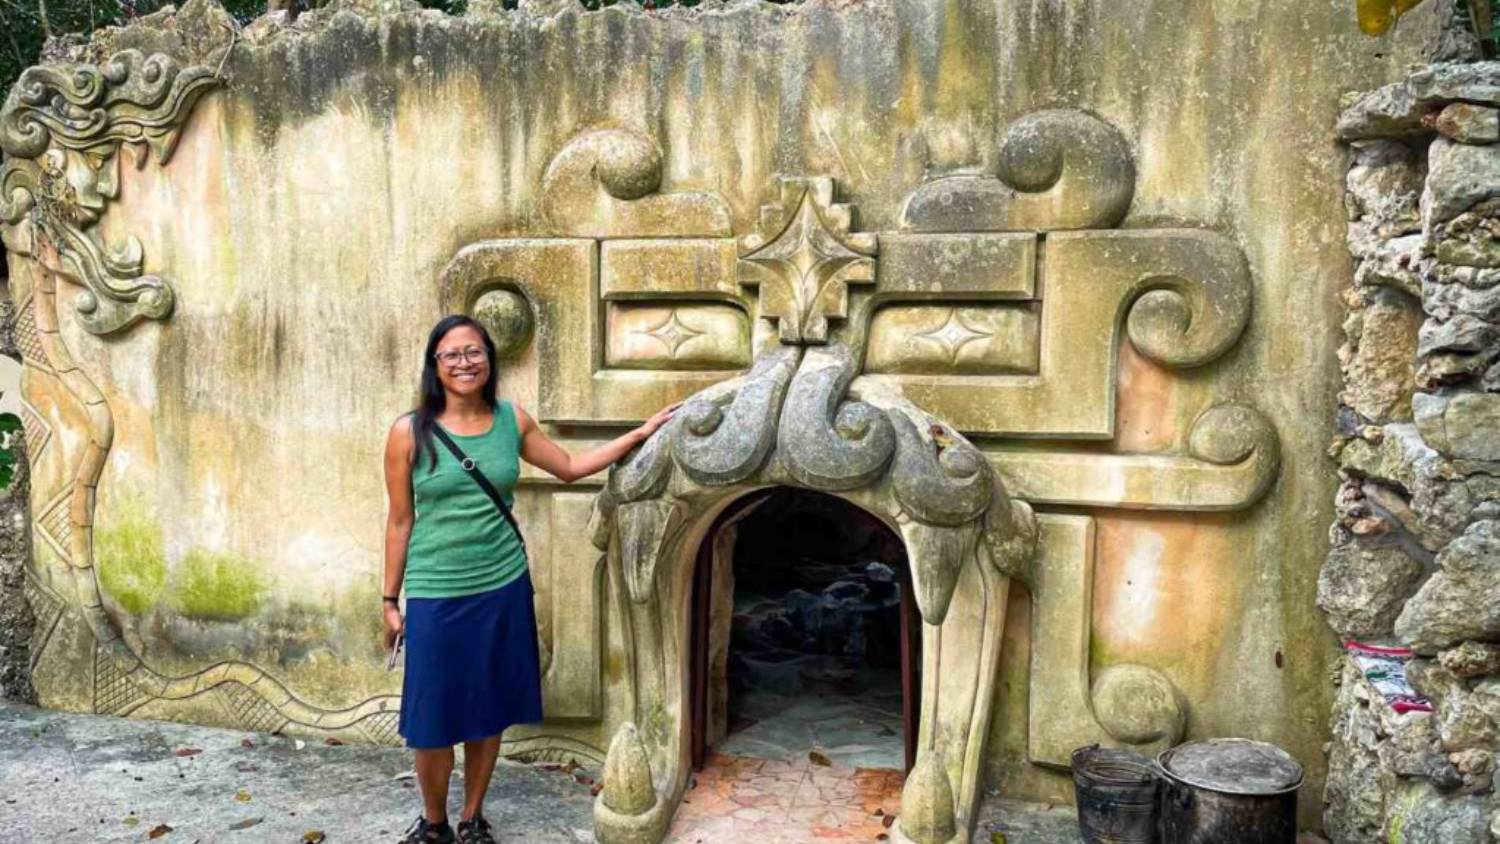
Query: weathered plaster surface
[328,197]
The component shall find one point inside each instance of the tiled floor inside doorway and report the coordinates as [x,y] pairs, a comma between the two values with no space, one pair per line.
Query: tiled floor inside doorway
[770,801]
[801,768]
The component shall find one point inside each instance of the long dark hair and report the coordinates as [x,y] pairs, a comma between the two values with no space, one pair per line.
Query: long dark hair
[433,400]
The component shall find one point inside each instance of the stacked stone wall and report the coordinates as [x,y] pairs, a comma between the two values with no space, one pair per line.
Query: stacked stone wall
[1415,559]
[16,619]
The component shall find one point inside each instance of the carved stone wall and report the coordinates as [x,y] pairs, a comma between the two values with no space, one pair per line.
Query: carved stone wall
[1081,249]
[1416,546]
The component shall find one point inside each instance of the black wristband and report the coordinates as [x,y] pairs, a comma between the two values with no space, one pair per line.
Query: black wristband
[391,599]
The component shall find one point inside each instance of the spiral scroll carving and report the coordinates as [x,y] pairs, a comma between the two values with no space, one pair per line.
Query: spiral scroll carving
[942,480]
[1057,169]
[1231,434]
[724,443]
[1195,313]
[604,183]
[824,441]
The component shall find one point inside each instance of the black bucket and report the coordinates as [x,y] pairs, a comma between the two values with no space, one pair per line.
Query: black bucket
[1117,796]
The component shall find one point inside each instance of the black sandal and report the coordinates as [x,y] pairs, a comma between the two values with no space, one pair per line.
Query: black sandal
[476,830]
[422,832]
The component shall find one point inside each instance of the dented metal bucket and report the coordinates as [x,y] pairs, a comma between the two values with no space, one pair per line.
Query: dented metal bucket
[1117,796]
[1228,791]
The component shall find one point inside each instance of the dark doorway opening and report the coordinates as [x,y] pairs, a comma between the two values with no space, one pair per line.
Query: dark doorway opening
[805,639]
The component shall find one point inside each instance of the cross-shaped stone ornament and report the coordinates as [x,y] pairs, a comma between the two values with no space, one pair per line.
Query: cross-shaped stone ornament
[804,260]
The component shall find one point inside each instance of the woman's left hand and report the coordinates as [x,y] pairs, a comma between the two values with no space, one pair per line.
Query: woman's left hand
[661,418]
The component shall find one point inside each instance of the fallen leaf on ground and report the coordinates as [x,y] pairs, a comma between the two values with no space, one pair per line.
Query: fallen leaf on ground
[997,838]
[132,820]
[246,743]
[245,824]
[242,796]
[158,831]
[818,758]
[333,741]
[314,836]
[299,743]
[188,751]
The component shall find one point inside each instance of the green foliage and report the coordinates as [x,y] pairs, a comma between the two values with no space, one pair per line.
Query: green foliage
[1480,16]
[26,24]
[10,439]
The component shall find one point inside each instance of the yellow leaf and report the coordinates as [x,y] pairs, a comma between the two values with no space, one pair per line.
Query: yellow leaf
[1375,16]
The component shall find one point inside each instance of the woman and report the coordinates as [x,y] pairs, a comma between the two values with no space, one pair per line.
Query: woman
[471,664]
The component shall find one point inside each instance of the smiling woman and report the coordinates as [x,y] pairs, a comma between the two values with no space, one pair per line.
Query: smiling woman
[451,468]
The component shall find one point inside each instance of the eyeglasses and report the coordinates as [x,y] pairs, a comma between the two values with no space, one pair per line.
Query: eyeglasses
[453,357]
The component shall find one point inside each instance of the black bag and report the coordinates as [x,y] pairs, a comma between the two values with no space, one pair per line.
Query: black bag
[469,466]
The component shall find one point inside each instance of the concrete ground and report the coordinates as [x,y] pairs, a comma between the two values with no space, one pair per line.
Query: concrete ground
[77,778]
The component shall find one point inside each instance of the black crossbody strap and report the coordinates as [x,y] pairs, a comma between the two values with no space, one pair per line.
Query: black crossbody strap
[469,466]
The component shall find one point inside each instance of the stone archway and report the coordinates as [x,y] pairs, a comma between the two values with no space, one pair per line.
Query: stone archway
[802,614]
[793,420]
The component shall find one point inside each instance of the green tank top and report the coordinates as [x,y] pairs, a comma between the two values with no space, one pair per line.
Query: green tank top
[460,543]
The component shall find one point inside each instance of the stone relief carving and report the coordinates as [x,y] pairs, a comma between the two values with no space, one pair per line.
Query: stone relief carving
[835,400]
[811,411]
[604,184]
[804,260]
[792,420]
[1058,169]
[832,443]
[62,129]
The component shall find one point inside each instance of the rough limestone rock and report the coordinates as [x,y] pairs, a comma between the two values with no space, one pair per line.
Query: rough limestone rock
[1379,377]
[1398,110]
[1459,176]
[1423,815]
[1396,264]
[1397,459]
[1471,659]
[1477,82]
[1362,589]
[1468,719]
[1472,239]
[1459,602]
[1355,800]
[1468,123]
[1383,193]
[1447,301]
[1464,334]
[1391,111]
[1463,426]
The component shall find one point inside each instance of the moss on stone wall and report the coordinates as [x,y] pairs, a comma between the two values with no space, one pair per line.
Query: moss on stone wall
[131,560]
[213,586]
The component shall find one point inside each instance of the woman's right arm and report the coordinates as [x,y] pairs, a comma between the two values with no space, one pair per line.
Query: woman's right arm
[398,520]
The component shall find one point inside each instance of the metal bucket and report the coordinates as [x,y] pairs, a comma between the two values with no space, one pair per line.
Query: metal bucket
[1117,796]
[1228,791]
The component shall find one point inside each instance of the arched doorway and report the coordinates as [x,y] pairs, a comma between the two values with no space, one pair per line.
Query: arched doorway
[795,421]
[805,639]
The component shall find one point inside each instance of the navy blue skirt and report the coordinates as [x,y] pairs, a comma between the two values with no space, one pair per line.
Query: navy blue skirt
[471,666]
